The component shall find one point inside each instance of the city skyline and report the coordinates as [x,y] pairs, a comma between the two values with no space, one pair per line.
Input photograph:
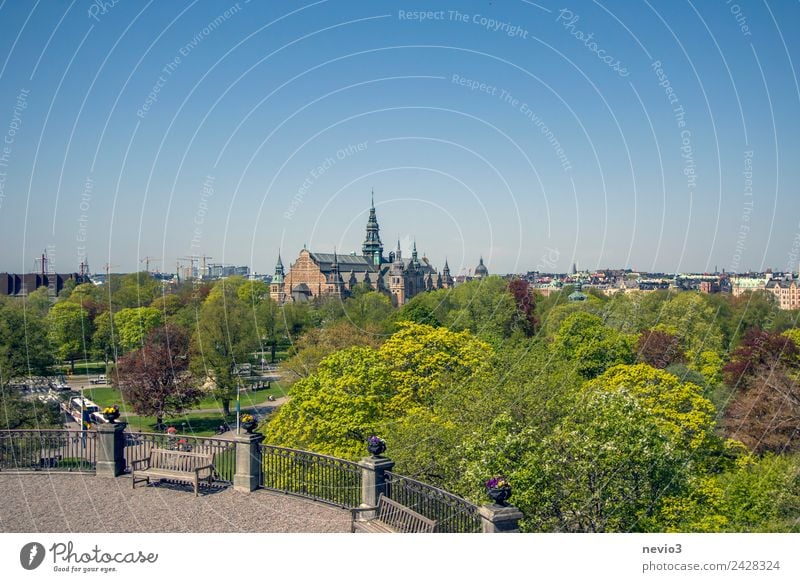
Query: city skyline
[653,137]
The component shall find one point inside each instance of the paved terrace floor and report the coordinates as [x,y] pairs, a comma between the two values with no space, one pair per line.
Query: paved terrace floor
[41,502]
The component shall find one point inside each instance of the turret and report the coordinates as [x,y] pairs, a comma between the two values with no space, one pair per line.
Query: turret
[276,288]
[447,280]
[372,248]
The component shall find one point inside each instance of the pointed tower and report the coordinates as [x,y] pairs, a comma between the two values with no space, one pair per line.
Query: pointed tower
[372,248]
[397,278]
[276,287]
[447,280]
[335,283]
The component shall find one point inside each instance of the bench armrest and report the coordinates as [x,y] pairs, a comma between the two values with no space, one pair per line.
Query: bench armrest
[139,464]
[356,510]
[209,468]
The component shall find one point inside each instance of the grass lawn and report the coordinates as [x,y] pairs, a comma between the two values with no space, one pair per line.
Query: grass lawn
[191,422]
[108,396]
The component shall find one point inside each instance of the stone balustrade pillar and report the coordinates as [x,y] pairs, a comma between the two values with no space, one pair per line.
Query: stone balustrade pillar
[248,462]
[373,481]
[500,518]
[110,449]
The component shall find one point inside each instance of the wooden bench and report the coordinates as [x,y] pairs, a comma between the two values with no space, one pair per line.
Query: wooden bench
[176,465]
[391,517]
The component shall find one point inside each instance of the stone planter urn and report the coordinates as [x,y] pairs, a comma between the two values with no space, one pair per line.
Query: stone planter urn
[376,446]
[500,495]
[250,426]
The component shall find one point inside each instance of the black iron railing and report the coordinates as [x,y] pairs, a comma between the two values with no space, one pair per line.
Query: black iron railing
[319,477]
[48,450]
[452,513]
[139,444]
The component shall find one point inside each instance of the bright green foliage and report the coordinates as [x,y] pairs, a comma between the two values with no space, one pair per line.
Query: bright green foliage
[556,317]
[368,310]
[37,303]
[133,324]
[132,290]
[680,407]
[87,295]
[757,495]
[317,344]
[422,358]
[605,468]
[484,307]
[523,384]
[401,377]
[593,347]
[253,292]
[105,341]
[709,363]
[336,409]
[225,338]
[794,335]
[693,320]
[70,330]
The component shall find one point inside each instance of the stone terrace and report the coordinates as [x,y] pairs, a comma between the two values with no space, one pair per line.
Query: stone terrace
[58,502]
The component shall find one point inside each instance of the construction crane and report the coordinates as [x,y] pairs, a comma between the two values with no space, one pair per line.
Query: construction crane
[147,260]
[193,259]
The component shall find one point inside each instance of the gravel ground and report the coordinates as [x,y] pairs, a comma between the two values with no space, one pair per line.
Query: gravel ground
[59,503]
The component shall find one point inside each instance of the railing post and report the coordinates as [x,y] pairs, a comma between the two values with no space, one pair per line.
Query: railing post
[110,449]
[500,518]
[248,462]
[373,481]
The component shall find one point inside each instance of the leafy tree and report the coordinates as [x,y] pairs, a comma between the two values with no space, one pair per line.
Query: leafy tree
[17,412]
[133,324]
[523,384]
[90,297]
[169,304]
[401,377]
[659,349]
[593,347]
[334,410]
[37,302]
[525,318]
[253,292]
[605,468]
[317,344]
[764,411]
[154,379]
[424,358]
[370,310]
[70,331]
[689,317]
[680,407]
[132,290]
[225,338]
[756,495]
[24,346]
[105,341]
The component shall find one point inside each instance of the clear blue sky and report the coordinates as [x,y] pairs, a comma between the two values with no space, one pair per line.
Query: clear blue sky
[503,130]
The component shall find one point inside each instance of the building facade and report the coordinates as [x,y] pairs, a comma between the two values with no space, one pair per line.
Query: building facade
[787,293]
[315,274]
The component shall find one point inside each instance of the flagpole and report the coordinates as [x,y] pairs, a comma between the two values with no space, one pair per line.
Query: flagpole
[238,406]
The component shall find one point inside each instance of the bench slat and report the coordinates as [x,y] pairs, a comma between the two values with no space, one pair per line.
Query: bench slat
[391,516]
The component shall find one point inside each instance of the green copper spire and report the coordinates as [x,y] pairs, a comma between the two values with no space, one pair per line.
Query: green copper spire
[372,249]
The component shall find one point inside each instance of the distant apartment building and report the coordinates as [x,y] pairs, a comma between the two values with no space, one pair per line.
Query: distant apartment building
[787,293]
[741,285]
